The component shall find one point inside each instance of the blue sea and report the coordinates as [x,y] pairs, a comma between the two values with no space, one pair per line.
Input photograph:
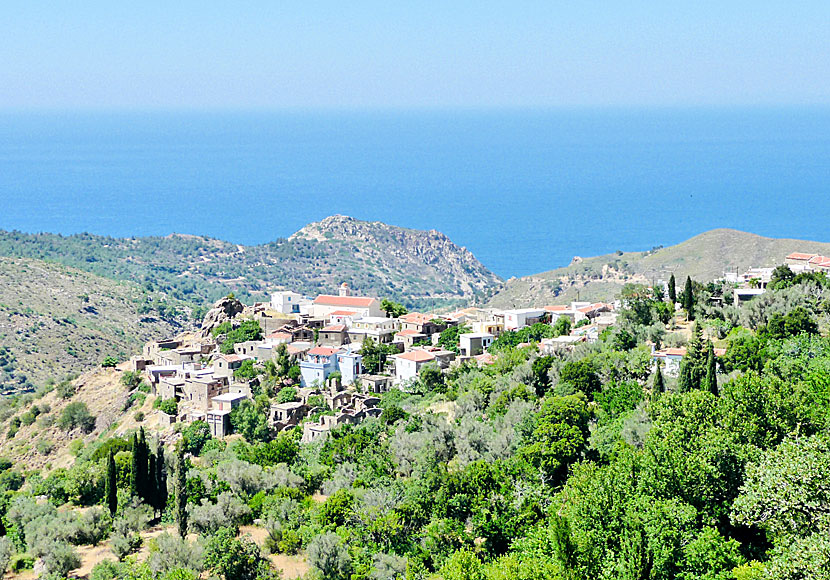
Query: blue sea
[525,191]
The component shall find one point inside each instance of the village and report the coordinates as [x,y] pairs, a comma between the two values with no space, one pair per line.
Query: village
[325,337]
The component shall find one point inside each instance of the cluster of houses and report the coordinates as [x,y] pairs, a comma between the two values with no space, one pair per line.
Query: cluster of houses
[324,337]
[754,281]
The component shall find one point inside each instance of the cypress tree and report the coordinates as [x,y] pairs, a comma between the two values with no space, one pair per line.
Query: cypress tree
[689,299]
[151,482]
[134,470]
[710,383]
[672,289]
[143,459]
[180,491]
[659,385]
[161,479]
[111,485]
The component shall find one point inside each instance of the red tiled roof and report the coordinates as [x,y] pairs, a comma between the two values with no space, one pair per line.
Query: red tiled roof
[410,333]
[800,256]
[343,313]
[557,308]
[417,356]
[335,328]
[279,335]
[818,259]
[233,357]
[323,351]
[354,301]
[418,317]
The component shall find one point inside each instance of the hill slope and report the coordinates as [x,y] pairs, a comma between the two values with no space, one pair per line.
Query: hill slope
[704,257]
[407,265]
[56,321]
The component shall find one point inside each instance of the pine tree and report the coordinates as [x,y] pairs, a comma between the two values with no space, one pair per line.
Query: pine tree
[180,491]
[161,479]
[659,385]
[689,299]
[710,383]
[672,290]
[111,485]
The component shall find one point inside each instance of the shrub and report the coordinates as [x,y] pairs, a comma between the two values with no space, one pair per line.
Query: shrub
[139,416]
[196,434]
[20,562]
[76,415]
[168,553]
[6,550]
[45,447]
[169,406]
[327,554]
[65,389]
[109,362]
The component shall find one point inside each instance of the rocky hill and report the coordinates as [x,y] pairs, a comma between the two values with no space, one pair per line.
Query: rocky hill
[411,266]
[56,321]
[704,257]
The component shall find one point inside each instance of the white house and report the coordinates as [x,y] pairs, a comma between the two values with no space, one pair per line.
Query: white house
[409,364]
[378,328]
[516,319]
[363,306]
[287,302]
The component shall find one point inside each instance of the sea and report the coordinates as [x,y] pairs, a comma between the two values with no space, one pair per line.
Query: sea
[524,190]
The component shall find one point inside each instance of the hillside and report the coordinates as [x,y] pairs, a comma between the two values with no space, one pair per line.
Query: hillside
[56,321]
[703,257]
[407,265]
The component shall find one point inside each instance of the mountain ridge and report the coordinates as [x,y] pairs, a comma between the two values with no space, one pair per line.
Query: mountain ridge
[703,257]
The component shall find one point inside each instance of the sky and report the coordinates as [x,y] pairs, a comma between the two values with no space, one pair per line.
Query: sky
[251,54]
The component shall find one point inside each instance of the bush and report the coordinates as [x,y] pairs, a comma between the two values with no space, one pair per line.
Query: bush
[76,415]
[6,550]
[109,362]
[169,406]
[20,562]
[196,434]
[168,553]
[65,390]
[45,447]
[287,395]
[327,554]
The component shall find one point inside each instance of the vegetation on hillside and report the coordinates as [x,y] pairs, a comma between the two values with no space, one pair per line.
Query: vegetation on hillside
[581,465]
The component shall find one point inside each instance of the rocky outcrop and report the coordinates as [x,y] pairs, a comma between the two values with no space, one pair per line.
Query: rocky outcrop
[421,258]
[225,310]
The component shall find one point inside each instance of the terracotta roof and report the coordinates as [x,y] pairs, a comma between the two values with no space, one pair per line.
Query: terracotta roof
[323,351]
[279,335]
[800,256]
[418,317]
[343,313]
[484,358]
[417,356]
[593,307]
[354,301]
[556,308]
[293,349]
[233,357]
[335,328]
[410,333]
[818,259]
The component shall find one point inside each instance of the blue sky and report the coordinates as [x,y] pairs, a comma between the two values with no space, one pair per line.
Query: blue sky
[254,54]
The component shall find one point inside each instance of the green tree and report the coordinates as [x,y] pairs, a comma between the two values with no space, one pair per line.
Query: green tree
[562,326]
[109,362]
[659,384]
[76,415]
[180,490]
[782,277]
[160,477]
[689,299]
[448,339]
[693,365]
[235,558]
[672,289]
[392,309]
[111,485]
[581,375]
[710,381]
[375,355]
